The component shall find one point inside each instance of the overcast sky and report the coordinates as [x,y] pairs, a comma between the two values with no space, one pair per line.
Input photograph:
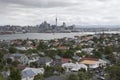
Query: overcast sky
[32,12]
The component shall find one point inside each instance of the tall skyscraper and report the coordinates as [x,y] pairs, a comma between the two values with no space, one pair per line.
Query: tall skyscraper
[64,25]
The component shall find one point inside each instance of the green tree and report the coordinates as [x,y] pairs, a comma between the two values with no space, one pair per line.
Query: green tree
[9,60]
[68,54]
[78,48]
[30,51]
[39,77]
[33,64]
[108,50]
[113,73]
[72,77]
[12,49]
[15,63]
[83,76]
[15,74]
[98,54]
[2,62]
[51,53]
[48,71]
[41,46]
[1,77]
[59,69]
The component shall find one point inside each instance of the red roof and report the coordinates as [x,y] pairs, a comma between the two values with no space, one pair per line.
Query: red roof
[92,59]
[63,47]
[65,60]
[21,67]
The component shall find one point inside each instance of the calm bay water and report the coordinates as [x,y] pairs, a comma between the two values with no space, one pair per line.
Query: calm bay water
[46,36]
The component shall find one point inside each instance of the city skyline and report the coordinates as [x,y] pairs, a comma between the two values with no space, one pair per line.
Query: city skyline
[32,12]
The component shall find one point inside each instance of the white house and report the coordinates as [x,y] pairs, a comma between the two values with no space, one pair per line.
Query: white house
[44,61]
[29,73]
[77,67]
[74,66]
[21,48]
[22,58]
[87,50]
[93,62]
[33,58]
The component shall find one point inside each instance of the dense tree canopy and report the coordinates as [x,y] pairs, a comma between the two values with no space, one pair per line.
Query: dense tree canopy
[83,76]
[113,72]
[80,76]
[108,50]
[12,49]
[41,46]
[72,77]
[15,74]
[39,77]
[2,62]
[1,77]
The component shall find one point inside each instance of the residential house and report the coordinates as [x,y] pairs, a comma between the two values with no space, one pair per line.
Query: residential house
[77,58]
[33,58]
[65,60]
[56,63]
[87,50]
[93,62]
[44,61]
[22,58]
[74,66]
[21,48]
[41,53]
[5,73]
[29,73]
[57,57]
[63,47]
[87,38]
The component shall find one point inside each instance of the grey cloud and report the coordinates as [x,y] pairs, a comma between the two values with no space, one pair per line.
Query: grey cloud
[40,3]
[25,12]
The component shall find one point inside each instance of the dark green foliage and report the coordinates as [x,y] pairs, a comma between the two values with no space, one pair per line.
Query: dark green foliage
[98,54]
[81,54]
[72,77]
[111,58]
[59,69]
[30,51]
[113,73]
[80,76]
[33,64]
[9,60]
[41,46]
[108,50]
[1,77]
[15,74]
[83,76]
[39,77]
[15,63]
[78,48]
[48,71]
[12,49]
[2,62]
[51,53]
[68,54]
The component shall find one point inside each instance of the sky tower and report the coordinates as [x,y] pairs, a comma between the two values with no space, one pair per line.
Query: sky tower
[56,21]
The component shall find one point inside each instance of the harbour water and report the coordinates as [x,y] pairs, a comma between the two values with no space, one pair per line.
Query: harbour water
[45,36]
[41,36]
